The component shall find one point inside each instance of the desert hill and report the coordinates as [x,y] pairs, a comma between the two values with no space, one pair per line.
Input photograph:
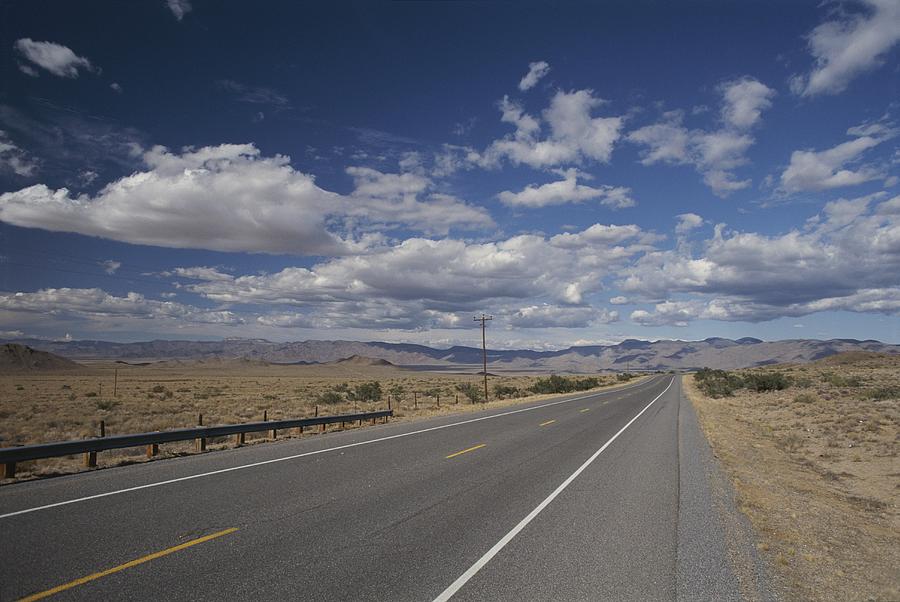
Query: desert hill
[861,359]
[21,358]
[361,360]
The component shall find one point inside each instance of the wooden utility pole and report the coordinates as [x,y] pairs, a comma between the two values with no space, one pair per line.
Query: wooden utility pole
[484,319]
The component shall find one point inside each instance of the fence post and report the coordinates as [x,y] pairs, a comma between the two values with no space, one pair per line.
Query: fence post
[200,443]
[389,402]
[439,400]
[457,399]
[416,400]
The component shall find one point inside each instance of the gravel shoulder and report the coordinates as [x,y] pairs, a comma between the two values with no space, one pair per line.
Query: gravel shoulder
[717,554]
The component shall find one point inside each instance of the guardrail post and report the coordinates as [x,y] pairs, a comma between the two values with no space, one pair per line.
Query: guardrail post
[152,450]
[200,444]
[317,415]
[239,439]
[90,458]
[272,432]
[9,470]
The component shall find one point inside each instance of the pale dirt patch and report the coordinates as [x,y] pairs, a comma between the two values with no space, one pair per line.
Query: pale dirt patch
[45,407]
[815,469]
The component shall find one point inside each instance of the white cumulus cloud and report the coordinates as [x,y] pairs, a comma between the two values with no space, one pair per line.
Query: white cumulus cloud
[14,159]
[715,153]
[94,303]
[231,198]
[444,275]
[845,47]
[536,71]
[688,222]
[567,190]
[566,133]
[179,8]
[832,168]
[555,316]
[847,257]
[57,59]
[111,266]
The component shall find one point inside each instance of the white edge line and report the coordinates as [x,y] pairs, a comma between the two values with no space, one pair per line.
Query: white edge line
[479,564]
[305,454]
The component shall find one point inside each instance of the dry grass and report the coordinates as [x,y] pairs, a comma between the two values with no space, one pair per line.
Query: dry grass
[37,408]
[815,467]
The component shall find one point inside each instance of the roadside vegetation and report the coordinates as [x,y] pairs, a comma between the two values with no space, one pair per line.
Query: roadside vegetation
[719,383]
[58,406]
[813,453]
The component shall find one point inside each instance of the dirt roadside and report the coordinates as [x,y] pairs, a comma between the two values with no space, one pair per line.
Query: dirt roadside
[815,469]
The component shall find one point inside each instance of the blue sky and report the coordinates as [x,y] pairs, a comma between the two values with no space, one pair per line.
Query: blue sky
[585,172]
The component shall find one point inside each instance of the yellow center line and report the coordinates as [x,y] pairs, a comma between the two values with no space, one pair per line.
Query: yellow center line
[548,422]
[583,410]
[127,565]
[465,451]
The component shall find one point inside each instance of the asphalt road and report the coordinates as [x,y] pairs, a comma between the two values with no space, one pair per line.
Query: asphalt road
[609,496]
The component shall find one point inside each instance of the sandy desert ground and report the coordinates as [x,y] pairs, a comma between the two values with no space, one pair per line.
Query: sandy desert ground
[816,471]
[61,405]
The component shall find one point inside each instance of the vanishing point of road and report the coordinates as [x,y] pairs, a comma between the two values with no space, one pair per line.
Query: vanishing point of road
[612,495]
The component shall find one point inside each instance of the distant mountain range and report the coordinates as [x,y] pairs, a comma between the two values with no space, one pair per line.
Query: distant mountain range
[630,354]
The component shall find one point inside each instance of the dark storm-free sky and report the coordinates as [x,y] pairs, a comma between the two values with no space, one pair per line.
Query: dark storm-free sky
[586,172]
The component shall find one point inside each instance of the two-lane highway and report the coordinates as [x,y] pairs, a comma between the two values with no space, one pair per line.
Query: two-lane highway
[577,498]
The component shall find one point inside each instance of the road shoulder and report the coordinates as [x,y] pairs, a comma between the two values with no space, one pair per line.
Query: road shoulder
[717,554]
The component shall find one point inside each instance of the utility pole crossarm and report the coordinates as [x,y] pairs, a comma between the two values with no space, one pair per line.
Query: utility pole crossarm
[484,319]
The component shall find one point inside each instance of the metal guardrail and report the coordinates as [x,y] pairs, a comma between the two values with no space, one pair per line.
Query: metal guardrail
[10,456]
